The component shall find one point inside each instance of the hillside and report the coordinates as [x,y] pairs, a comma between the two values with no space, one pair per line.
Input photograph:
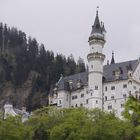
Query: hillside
[28,71]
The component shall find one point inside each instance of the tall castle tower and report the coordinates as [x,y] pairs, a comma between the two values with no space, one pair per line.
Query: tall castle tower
[95,60]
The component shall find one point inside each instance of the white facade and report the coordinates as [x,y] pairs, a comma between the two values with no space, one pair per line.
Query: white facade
[104,87]
[9,110]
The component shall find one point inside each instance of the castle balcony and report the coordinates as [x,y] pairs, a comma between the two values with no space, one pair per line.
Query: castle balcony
[96,55]
[96,38]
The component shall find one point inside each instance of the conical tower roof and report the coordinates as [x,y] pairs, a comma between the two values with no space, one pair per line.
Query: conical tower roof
[103,28]
[96,28]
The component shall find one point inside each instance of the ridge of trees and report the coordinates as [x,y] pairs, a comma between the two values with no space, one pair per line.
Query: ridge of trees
[23,58]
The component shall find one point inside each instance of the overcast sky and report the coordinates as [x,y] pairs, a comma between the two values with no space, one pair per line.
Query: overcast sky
[64,25]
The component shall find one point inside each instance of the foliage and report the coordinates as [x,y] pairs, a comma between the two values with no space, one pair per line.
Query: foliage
[132,114]
[79,123]
[13,129]
[49,123]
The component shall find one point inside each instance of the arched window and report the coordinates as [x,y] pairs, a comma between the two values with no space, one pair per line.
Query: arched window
[130,82]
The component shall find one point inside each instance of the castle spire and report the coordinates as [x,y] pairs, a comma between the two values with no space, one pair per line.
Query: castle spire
[112,60]
[96,28]
[97,11]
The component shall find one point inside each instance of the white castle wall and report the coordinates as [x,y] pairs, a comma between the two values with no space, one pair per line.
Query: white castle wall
[96,48]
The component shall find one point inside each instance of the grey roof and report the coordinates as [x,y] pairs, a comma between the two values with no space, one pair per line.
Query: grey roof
[123,67]
[21,112]
[108,75]
[64,82]
[103,28]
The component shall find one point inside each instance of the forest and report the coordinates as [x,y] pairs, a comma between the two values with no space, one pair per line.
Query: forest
[23,60]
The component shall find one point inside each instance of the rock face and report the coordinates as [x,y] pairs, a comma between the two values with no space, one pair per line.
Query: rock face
[22,96]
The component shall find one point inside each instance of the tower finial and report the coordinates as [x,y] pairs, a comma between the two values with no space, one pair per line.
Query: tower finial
[112,53]
[97,11]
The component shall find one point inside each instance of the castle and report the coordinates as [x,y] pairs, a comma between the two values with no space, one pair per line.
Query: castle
[106,87]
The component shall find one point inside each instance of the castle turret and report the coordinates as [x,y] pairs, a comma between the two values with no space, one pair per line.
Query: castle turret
[95,60]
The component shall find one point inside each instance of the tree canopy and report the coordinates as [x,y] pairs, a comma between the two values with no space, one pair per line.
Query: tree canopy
[79,123]
[50,123]
[132,114]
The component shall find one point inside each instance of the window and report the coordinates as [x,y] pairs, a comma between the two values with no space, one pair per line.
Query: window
[129,93]
[78,84]
[122,105]
[96,101]
[91,93]
[113,88]
[87,101]
[109,107]
[76,105]
[113,72]
[130,82]
[105,98]
[105,88]
[82,95]
[112,97]
[96,87]
[92,66]
[135,87]
[67,98]
[74,97]
[55,95]
[81,105]
[124,95]
[121,71]
[60,102]
[125,86]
